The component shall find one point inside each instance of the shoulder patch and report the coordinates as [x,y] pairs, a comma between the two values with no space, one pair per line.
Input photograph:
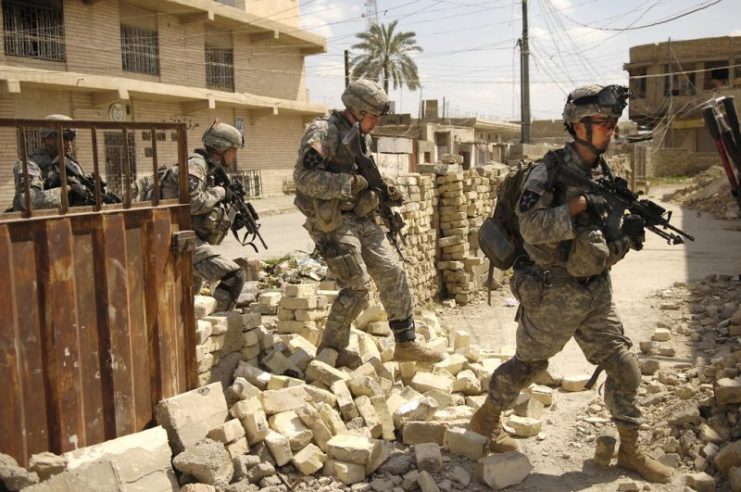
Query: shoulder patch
[197,167]
[528,199]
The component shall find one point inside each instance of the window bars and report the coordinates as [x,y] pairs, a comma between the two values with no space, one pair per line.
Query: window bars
[140,50]
[33,31]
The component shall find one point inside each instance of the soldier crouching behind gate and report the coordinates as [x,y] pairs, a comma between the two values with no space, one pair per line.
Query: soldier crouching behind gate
[209,219]
[563,281]
[339,212]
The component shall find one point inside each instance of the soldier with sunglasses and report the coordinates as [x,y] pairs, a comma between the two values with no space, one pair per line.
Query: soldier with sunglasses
[563,282]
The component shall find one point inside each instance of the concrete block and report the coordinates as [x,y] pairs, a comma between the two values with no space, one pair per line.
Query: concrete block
[543,394]
[46,464]
[328,356]
[345,472]
[188,417]
[372,313]
[301,290]
[288,424]
[701,482]
[356,449]
[227,432]
[728,391]
[364,386]
[253,375]
[428,456]
[453,364]
[312,419]
[575,383]
[467,383]
[416,432]
[734,479]
[426,381]
[728,456]
[276,362]
[332,419]
[427,482]
[319,395]
[256,426]
[284,400]
[208,461]
[238,447]
[661,335]
[527,406]
[368,412]
[417,409]
[299,342]
[384,417]
[280,447]
[443,399]
[203,331]
[324,373]
[524,426]
[309,460]
[270,298]
[294,303]
[245,407]
[344,400]
[203,306]
[502,470]
[465,443]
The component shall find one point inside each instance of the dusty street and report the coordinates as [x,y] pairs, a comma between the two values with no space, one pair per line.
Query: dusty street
[561,461]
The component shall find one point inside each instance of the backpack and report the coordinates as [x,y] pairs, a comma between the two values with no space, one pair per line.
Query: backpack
[142,190]
[499,235]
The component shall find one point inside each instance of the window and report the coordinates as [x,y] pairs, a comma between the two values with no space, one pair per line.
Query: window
[220,68]
[140,50]
[717,76]
[681,84]
[34,29]
[638,83]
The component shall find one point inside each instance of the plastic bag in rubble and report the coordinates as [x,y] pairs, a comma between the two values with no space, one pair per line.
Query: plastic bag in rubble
[310,267]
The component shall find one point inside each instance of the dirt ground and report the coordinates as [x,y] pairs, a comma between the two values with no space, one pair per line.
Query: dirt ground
[562,460]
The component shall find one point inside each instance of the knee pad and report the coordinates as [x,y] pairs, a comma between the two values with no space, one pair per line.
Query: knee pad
[624,370]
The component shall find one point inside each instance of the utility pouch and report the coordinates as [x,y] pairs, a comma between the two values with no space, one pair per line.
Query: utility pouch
[346,268]
[527,287]
[327,214]
[497,243]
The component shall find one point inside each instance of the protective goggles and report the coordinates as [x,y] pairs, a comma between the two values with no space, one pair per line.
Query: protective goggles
[67,134]
[612,97]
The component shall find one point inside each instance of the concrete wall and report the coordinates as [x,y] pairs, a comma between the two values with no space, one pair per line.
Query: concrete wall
[679,162]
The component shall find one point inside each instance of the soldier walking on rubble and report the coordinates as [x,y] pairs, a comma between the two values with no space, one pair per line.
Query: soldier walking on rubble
[339,209]
[563,281]
[209,218]
[44,174]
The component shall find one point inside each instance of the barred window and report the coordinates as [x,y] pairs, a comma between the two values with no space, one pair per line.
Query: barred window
[220,68]
[34,30]
[140,50]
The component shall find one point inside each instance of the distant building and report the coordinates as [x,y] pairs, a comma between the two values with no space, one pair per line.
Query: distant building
[167,61]
[670,80]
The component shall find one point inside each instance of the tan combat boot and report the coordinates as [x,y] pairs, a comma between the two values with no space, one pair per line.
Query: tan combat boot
[632,459]
[486,421]
[414,352]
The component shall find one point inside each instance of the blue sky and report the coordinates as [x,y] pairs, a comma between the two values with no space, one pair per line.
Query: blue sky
[470,58]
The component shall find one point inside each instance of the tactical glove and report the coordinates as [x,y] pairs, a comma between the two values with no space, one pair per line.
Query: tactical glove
[219,191]
[229,195]
[633,226]
[359,184]
[597,205]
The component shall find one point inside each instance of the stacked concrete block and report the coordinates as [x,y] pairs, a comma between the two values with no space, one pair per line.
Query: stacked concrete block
[420,234]
[302,312]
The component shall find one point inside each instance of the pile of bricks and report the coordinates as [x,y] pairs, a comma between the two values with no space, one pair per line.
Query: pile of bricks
[420,215]
[454,231]
[303,311]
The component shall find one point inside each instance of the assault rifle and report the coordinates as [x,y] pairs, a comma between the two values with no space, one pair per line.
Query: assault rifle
[355,144]
[621,199]
[242,215]
[87,182]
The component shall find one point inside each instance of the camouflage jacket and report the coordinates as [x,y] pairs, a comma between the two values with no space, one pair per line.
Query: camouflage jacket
[207,214]
[545,222]
[330,175]
[44,180]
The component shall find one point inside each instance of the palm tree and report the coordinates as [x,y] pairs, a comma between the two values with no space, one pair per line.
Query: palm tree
[386,55]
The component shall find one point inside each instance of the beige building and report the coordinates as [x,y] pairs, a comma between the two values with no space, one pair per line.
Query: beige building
[190,61]
[671,80]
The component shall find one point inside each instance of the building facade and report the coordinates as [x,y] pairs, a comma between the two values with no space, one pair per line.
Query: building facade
[671,80]
[190,61]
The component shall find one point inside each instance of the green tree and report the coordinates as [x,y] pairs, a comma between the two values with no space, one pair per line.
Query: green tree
[386,55]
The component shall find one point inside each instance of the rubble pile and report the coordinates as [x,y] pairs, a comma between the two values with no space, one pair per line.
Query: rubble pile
[709,192]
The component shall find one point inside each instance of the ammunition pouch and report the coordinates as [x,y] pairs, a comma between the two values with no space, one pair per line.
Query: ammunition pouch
[213,226]
[327,214]
[344,265]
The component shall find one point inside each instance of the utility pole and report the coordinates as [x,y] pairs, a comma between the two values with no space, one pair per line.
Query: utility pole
[371,13]
[669,120]
[347,68]
[524,79]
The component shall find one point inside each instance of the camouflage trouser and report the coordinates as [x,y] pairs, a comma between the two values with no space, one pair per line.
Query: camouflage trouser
[549,319]
[210,265]
[356,252]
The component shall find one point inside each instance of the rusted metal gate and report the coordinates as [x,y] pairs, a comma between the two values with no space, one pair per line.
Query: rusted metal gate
[96,311]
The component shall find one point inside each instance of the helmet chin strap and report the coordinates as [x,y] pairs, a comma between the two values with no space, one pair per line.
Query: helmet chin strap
[588,143]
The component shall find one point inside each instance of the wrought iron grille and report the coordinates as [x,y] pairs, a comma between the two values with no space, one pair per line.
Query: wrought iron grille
[140,50]
[251,181]
[220,68]
[33,31]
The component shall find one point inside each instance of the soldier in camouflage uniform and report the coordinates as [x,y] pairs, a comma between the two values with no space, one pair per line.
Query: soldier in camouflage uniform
[43,171]
[563,284]
[208,214]
[339,209]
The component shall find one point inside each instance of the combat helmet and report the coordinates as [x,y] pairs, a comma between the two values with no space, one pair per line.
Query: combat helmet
[222,137]
[69,133]
[592,100]
[365,96]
